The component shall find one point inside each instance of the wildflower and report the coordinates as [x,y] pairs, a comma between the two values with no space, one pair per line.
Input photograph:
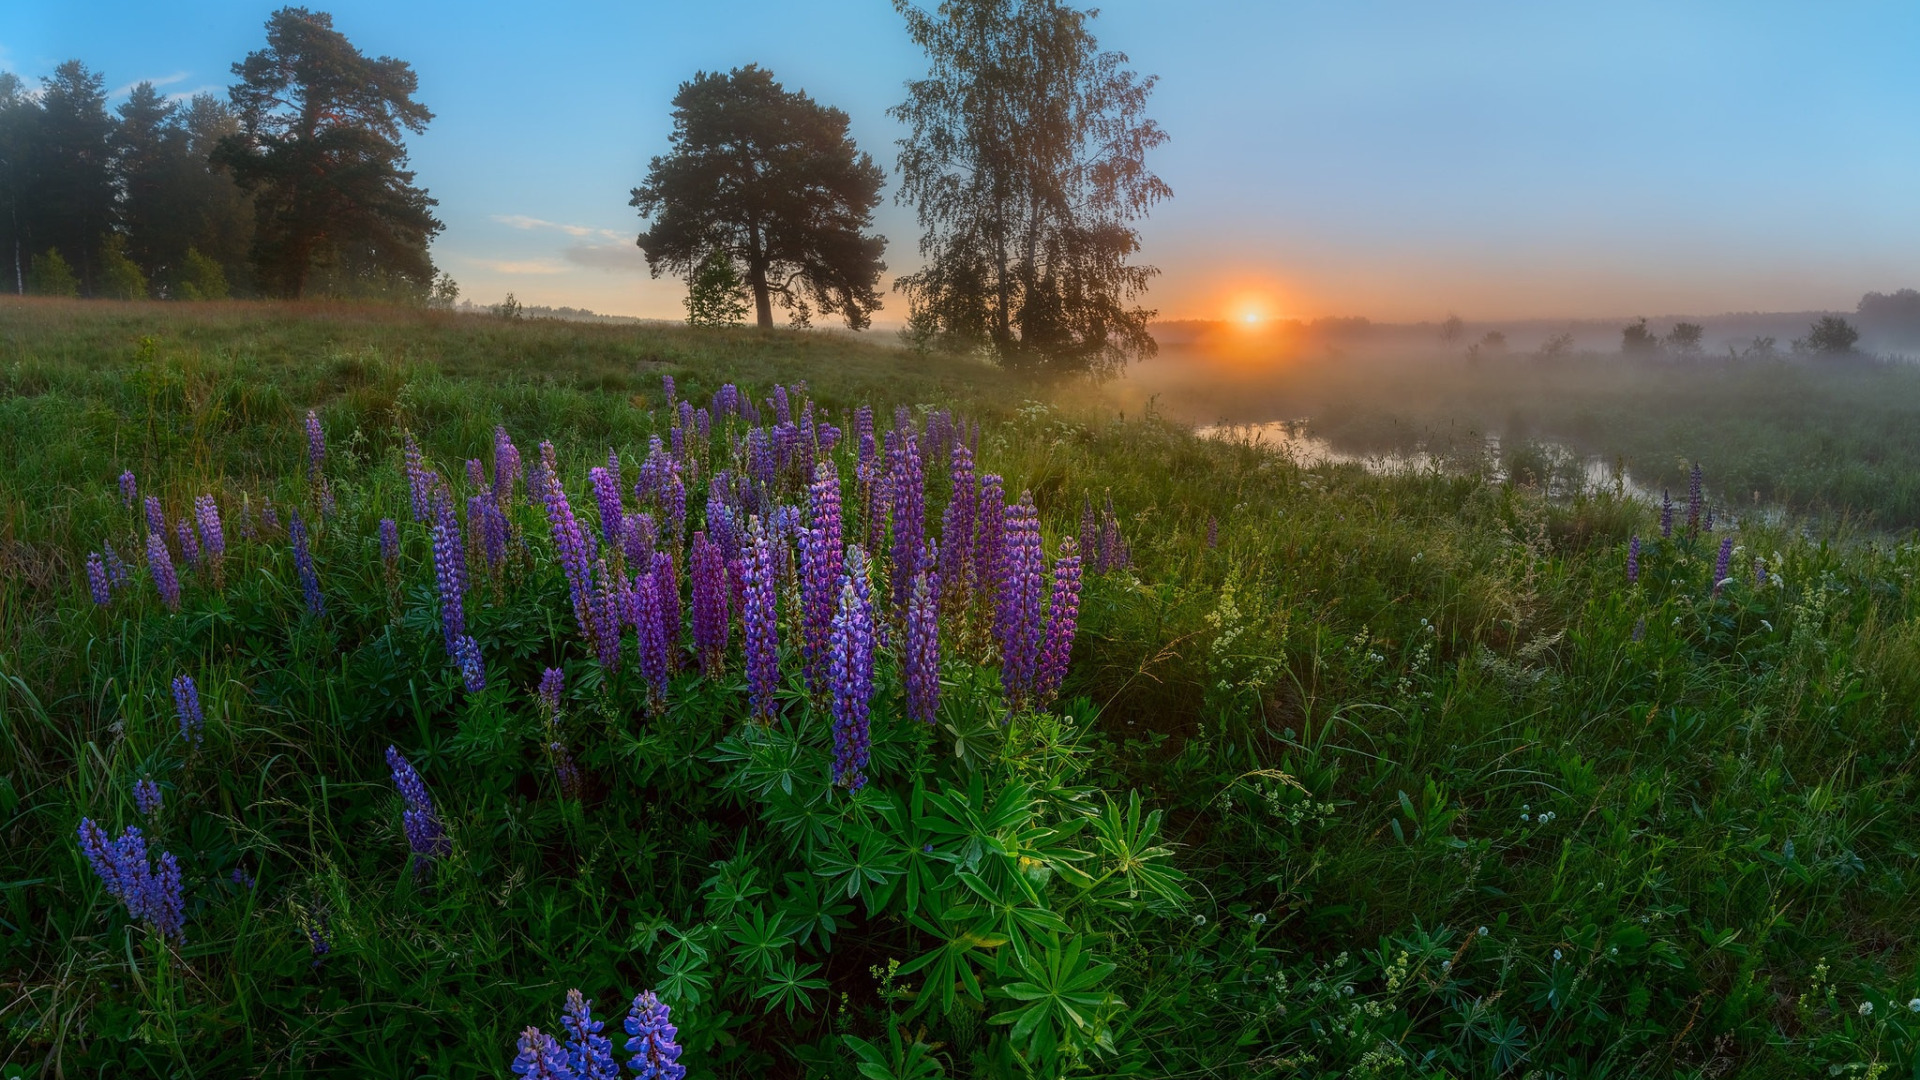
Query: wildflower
[129,489]
[589,1053]
[710,622]
[638,534]
[118,575]
[1213,533]
[821,557]
[189,543]
[852,673]
[606,493]
[506,468]
[269,517]
[552,684]
[606,608]
[923,648]
[1063,613]
[426,836]
[1696,498]
[160,565]
[1482,931]
[1914,1005]
[318,940]
[316,445]
[213,536]
[1759,573]
[389,542]
[652,635]
[150,889]
[146,797]
[1090,534]
[241,878]
[575,551]
[1666,516]
[1556,955]
[476,473]
[1017,627]
[540,1057]
[303,563]
[666,582]
[156,516]
[656,1055]
[666,386]
[186,707]
[907,489]
[1633,560]
[759,619]
[989,533]
[1113,547]
[419,481]
[956,527]
[1866,1008]
[97,582]
[473,671]
[863,432]
[1720,564]
[449,570]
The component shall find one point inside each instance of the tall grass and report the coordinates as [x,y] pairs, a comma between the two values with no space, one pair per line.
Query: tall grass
[1450,796]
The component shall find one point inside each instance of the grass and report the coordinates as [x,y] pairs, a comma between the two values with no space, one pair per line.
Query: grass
[1440,793]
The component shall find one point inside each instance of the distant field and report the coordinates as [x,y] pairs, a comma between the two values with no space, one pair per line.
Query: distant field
[1435,776]
[1839,437]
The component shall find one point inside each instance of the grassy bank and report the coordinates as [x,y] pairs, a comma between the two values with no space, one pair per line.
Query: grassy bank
[1439,792]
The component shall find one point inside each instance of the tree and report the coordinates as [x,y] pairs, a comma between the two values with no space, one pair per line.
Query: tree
[771,179]
[68,199]
[1685,338]
[1452,330]
[119,277]
[320,147]
[1026,163]
[1636,339]
[172,198]
[1831,335]
[52,275]
[714,293]
[200,278]
[17,114]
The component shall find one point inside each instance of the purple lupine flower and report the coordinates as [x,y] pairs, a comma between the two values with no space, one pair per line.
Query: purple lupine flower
[1696,498]
[129,489]
[821,560]
[449,570]
[1640,629]
[759,618]
[319,943]
[679,438]
[923,648]
[118,575]
[166,906]
[760,460]
[316,445]
[476,474]
[1666,516]
[390,542]
[269,517]
[605,609]
[1759,573]
[1063,616]
[506,468]
[653,638]
[419,481]
[189,544]
[637,533]
[213,538]
[303,563]
[907,488]
[150,889]
[782,414]
[1213,532]
[673,508]
[570,542]
[656,1053]
[97,582]
[989,533]
[852,673]
[666,385]
[156,516]
[1113,547]
[710,620]
[541,1058]
[553,683]
[863,431]
[1090,535]
[1707,525]
[186,708]
[241,878]
[492,527]
[1720,564]
[1633,560]
[426,836]
[160,565]
[566,773]
[473,670]
[589,1053]
[146,797]
[606,493]
[1016,619]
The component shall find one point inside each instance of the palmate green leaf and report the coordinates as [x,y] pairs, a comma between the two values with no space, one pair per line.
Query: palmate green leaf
[1058,1000]
[788,986]
[1126,842]
[898,1060]
[974,823]
[949,968]
[924,850]
[761,940]
[861,868]
[806,910]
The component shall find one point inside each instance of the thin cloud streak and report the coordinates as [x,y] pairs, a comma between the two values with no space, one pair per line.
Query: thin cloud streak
[616,255]
[165,80]
[522,221]
[520,266]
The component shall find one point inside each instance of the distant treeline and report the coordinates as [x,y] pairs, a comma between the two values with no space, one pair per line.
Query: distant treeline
[203,198]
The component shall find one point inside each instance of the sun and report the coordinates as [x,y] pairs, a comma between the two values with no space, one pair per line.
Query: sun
[1250,318]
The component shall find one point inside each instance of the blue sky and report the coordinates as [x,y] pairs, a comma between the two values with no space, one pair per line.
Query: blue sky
[1397,160]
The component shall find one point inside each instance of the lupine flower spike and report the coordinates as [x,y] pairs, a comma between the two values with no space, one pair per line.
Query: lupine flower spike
[146,797]
[758,616]
[589,1053]
[186,708]
[151,889]
[303,565]
[656,1053]
[426,836]
[1633,560]
[541,1058]
[160,565]
[852,673]
[1720,564]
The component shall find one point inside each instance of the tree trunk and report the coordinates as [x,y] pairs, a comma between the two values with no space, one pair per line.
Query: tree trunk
[757,278]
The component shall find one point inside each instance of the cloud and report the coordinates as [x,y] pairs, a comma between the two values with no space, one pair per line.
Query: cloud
[520,266]
[522,221]
[185,95]
[164,80]
[619,253]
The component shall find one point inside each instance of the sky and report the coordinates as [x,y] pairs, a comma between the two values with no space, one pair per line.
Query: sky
[1395,160]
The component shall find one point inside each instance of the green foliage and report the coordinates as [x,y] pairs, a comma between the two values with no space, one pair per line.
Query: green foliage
[770,179]
[1831,335]
[201,278]
[120,277]
[714,296]
[52,275]
[1399,778]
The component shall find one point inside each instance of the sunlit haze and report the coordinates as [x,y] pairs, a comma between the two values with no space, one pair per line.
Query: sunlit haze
[1397,161]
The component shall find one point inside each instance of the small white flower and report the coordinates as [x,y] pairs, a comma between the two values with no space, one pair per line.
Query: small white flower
[1914,1005]
[1259,918]
[1199,920]
[1482,931]
[1526,817]
[1866,1008]
[1556,955]
[1447,965]
[1348,990]
[1615,951]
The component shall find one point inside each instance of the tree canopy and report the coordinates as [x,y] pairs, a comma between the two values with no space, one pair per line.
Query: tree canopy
[772,181]
[1026,162]
[320,146]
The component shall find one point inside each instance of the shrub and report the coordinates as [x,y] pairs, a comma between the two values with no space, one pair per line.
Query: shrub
[201,278]
[52,275]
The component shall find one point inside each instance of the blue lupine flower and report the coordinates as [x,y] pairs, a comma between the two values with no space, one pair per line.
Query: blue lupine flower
[389,542]
[589,1053]
[541,1058]
[426,836]
[117,573]
[146,797]
[97,582]
[303,564]
[760,620]
[656,1054]
[1696,498]
[1720,564]
[1633,560]
[552,684]
[160,565]
[186,707]
[156,516]
[316,445]
[151,890]
[473,671]
[129,489]
[1666,516]
[419,481]
[449,569]
[506,468]
[189,544]
[852,673]
[923,648]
